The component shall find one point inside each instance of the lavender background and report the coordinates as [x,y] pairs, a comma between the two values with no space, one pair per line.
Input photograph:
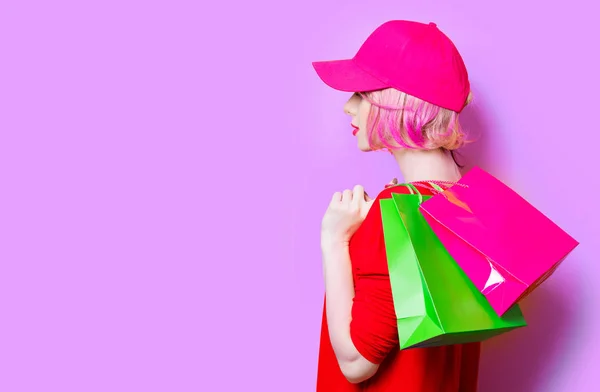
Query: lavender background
[164,166]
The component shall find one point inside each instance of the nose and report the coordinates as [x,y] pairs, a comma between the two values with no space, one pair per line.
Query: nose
[350,107]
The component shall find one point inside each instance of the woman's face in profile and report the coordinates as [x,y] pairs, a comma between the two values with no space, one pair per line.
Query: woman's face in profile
[358,109]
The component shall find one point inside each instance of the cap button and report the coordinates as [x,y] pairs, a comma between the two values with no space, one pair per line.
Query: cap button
[432,24]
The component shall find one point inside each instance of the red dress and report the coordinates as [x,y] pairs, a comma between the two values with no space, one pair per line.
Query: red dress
[374,330]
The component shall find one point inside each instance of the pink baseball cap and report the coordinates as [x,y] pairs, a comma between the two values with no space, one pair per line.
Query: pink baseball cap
[413,57]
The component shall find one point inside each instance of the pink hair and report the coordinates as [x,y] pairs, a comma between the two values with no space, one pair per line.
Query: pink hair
[399,120]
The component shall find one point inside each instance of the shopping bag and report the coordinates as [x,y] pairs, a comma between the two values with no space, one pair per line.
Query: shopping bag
[435,302]
[505,245]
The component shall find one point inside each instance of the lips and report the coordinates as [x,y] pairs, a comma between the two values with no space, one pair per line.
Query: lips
[355,130]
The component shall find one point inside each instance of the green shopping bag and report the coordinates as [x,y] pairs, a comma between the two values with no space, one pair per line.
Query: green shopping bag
[435,302]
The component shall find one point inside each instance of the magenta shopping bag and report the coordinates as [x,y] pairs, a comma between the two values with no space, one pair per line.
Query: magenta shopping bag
[504,244]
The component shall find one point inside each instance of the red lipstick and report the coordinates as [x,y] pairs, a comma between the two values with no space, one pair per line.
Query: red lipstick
[355,130]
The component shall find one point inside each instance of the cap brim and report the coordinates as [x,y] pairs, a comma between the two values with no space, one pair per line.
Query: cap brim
[345,75]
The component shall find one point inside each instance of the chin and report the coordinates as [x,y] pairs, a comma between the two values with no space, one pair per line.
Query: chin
[364,146]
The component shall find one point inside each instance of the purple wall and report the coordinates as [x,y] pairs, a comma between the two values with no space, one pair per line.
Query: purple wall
[165,166]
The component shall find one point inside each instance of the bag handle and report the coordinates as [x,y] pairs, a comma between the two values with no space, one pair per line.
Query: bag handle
[413,190]
[435,186]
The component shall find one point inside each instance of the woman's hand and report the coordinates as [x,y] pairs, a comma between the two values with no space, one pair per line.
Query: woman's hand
[346,211]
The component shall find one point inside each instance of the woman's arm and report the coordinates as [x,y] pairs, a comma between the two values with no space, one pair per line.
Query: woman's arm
[360,314]
[339,289]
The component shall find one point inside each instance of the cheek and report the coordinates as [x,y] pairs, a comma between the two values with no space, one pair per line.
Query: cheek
[364,115]
[364,126]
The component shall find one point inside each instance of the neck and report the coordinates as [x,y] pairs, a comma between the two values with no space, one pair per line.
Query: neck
[424,165]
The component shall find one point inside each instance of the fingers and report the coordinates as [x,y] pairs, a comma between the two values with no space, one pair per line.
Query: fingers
[358,195]
[337,196]
[342,197]
[347,196]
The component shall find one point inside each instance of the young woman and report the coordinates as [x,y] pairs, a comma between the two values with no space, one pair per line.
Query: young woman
[410,84]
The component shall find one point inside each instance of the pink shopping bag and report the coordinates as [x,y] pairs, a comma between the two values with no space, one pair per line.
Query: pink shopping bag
[503,244]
